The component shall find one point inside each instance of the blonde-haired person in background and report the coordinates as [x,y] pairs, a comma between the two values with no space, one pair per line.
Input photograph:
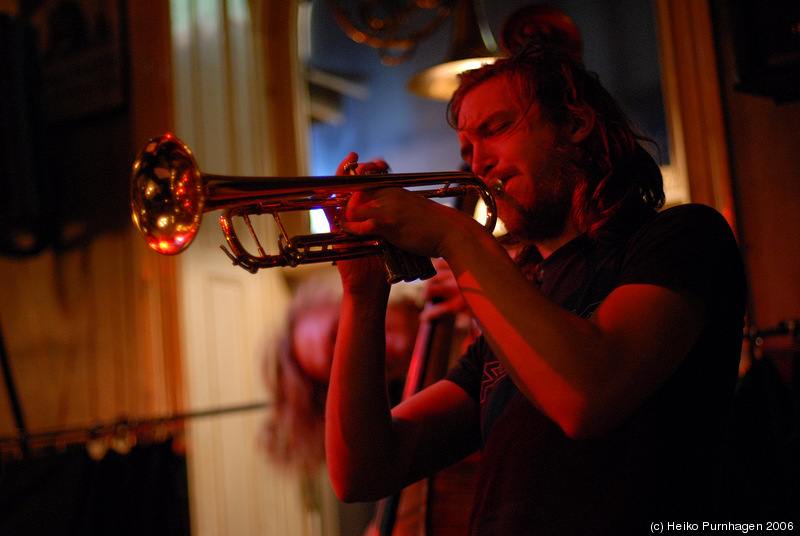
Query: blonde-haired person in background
[294,433]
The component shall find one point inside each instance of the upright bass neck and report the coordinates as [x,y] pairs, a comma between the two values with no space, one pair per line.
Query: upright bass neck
[429,364]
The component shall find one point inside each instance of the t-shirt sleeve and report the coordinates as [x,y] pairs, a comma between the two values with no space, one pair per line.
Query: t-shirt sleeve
[467,373]
[688,248]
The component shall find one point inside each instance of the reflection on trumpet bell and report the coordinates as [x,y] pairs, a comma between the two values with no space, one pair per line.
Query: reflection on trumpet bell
[169,196]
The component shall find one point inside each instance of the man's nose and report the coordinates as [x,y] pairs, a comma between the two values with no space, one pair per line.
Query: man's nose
[483,160]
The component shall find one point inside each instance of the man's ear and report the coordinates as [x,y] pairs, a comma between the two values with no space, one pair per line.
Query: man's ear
[582,124]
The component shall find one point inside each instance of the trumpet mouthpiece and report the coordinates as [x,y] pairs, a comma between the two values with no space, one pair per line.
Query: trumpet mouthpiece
[498,188]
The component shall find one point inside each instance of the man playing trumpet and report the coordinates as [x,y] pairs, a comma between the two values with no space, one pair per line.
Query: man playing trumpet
[600,388]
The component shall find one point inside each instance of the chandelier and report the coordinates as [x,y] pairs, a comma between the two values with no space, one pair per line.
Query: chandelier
[395,27]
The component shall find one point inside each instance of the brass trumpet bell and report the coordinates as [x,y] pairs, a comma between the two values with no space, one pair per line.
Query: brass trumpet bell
[167,196]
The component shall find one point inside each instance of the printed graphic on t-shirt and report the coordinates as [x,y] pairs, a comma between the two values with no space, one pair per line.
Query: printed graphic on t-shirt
[492,373]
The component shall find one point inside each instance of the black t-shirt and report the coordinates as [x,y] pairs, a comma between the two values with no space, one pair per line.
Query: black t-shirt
[661,464]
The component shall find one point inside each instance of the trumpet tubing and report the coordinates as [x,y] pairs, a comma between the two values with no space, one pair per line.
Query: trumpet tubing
[169,196]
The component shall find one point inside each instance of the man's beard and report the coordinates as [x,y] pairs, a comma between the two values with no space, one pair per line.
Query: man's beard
[543,222]
[546,219]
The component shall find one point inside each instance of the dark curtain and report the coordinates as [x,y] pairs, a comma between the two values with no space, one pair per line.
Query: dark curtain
[26,206]
[67,493]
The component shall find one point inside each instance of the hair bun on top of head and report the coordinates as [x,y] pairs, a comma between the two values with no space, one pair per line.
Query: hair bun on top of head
[543,25]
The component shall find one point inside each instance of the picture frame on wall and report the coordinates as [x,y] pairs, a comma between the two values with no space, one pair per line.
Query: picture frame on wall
[83,57]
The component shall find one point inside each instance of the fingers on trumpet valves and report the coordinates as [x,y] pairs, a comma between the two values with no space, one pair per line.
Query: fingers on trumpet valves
[353,167]
[376,167]
[335,217]
[350,168]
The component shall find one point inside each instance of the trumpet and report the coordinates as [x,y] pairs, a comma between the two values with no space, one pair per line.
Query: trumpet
[169,196]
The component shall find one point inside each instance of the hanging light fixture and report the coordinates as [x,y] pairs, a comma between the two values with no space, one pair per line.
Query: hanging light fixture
[393,27]
[472,46]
